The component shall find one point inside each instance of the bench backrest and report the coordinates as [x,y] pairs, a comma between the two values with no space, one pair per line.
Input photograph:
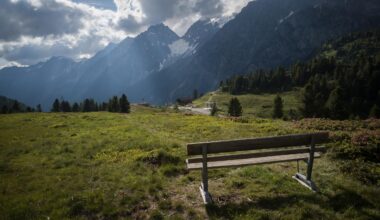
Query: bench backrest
[257,143]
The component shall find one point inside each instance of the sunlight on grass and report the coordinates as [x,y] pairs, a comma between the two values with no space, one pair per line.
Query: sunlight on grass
[116,166]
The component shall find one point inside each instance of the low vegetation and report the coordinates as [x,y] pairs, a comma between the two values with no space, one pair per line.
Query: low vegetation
[104,165]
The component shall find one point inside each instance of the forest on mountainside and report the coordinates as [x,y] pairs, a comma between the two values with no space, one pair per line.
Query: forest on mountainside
[342,81]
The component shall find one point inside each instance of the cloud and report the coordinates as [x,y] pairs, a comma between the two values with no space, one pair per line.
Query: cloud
[178,14]
[35,30]
[37,18]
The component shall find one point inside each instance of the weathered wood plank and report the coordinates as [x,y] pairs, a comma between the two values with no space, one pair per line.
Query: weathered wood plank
[257,143]
[251,161]
[255,155]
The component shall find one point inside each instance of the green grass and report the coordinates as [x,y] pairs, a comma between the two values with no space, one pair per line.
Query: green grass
[259,105]
[118,166]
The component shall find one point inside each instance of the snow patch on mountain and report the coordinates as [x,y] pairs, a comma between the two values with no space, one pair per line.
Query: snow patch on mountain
[285,18]
[179,47]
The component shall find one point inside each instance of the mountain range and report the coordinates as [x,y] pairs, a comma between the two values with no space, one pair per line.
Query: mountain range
[158,66]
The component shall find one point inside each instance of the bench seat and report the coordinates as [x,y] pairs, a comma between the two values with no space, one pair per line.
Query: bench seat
[251,161]
[254,151]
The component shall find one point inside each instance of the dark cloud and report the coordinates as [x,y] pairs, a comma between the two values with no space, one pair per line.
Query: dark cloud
[209,8]
[159,11]
[34,30]
[130,25]
[23,19]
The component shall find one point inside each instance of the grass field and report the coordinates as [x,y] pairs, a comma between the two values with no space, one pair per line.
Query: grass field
[259,105]
[129,166]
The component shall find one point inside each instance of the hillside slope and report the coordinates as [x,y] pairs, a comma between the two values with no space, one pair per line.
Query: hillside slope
[341,81]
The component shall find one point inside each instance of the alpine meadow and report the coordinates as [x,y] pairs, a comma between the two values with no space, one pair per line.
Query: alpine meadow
[189,109]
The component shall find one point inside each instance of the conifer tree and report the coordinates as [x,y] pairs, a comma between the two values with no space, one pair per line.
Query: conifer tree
[124,104]
[65,106]
[278,107]
[214,109]
[39,108]
[55,107]
[87,105]
[16,106]
[104,106]
[75,107]
[4,109]
[234,108]
[113,105]
[375,112]
[336,105]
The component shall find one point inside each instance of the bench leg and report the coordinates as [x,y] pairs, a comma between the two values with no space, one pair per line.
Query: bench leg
[204,185]
[306,181]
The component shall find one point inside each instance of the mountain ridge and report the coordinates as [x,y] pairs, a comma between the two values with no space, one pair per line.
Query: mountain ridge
[159,66]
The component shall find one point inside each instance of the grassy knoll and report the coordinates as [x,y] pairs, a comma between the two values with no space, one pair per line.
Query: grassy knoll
[118,166]
[260,105]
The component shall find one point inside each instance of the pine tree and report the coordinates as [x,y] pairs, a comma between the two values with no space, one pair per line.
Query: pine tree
[104,106]
[16,106]
[214,109]
[124,104]
[336,105]
[278,107]
[113,105]
[39,108]
[65,106]
[375,112]
[307,108]
[75,107]
[87,105]
[234,108]
[55,107]
[4,109]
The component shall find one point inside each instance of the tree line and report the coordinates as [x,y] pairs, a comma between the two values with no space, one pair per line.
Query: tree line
[17,107]
[343,86]
[114,104]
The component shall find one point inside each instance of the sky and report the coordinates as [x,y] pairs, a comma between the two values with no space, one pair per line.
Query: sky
[32,31]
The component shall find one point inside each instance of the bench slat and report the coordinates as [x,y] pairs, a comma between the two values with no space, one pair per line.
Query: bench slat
[252,161]
[257,143]
[255,155]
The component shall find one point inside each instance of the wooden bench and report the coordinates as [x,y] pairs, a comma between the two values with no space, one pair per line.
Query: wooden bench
[218,154]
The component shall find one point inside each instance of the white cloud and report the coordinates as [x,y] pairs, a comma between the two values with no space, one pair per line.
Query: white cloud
[34,30]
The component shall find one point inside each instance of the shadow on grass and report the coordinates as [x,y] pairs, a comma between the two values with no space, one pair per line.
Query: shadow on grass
[337,203]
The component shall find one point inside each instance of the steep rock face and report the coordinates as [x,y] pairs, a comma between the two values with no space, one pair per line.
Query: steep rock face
[129,62]
[200,32]
[266,34]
